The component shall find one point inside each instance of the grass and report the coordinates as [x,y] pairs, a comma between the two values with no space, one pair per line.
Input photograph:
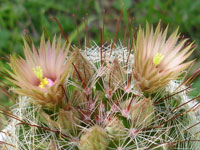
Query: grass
[33,16]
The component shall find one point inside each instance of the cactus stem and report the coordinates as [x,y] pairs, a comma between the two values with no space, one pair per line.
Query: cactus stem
[132,42]
[129,105]
[1,142]
[117,30]
[101,49]
[79,76]
[79,38]
[61,29]
[86,31]
[186,103]
[127,88]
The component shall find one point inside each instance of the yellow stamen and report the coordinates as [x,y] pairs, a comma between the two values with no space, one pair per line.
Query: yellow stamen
[41,86]
[43,82]
[157,59]
[39,74]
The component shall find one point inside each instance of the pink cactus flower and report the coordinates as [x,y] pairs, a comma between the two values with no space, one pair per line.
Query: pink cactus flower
[159,59]
[42,73]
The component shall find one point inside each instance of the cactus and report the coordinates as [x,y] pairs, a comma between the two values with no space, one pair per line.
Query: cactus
[103,97]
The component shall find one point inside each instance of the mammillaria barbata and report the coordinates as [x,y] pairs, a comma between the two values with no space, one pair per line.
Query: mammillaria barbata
[107,97]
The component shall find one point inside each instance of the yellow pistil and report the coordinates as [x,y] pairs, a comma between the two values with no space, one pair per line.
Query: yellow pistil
[157,59]
[39,74]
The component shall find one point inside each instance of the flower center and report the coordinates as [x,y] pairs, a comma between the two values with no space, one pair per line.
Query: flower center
[43,80]
[157,59]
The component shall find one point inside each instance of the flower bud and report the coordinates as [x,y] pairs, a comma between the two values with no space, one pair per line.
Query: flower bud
[115,127]
[95,138]
[115,75]
[141,113]
[83,69]
[68,119]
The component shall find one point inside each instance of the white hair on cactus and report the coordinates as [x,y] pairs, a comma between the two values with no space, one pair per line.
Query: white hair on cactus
[119,51]
[27,112]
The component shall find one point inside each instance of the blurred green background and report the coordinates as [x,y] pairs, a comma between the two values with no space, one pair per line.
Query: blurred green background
[16,16]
